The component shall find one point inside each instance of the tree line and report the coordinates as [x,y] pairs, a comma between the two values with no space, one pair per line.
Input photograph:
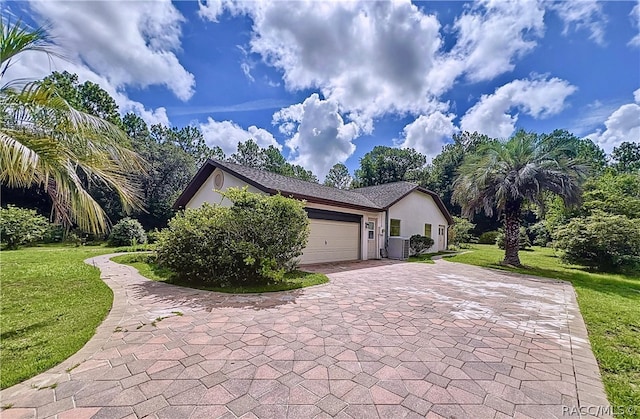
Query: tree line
[67,152]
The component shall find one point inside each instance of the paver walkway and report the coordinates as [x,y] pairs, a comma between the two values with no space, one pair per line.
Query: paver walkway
[394,340]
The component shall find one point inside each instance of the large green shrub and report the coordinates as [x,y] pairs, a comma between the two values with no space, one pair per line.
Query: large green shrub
[21,226]
[127,232]
[252,242]
[488,237]
[601,241]
[525,243]
[460,232]
[419,244]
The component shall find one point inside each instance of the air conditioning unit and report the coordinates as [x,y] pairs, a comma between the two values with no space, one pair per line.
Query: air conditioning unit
[398,248]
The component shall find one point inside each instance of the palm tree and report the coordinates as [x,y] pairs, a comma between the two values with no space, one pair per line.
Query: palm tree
[45,142]
[504,176]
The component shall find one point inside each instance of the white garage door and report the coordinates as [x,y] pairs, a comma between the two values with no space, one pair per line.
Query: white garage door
[332,241]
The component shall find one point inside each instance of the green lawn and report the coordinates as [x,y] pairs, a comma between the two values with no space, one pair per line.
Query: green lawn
[50,305]
[292,280]
[610,306]
[427,257]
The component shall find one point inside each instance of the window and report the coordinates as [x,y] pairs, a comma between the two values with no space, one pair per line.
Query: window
[394,228]
[427,230]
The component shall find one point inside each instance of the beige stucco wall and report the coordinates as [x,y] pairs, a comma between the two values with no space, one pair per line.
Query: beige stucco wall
[414,211]
[206,193]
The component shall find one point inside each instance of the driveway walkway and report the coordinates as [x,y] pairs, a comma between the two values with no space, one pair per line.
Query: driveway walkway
[394,340]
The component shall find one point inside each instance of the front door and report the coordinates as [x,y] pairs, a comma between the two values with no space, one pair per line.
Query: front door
[372,239]
[441,233]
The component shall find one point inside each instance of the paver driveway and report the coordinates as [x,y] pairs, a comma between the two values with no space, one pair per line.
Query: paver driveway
[395,340]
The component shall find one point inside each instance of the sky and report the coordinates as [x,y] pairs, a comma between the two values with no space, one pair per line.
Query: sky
[327,81]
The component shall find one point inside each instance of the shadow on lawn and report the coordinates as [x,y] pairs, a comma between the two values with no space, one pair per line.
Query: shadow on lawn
[626,286]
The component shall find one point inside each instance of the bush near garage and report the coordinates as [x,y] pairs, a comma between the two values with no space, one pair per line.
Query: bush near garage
[254,241]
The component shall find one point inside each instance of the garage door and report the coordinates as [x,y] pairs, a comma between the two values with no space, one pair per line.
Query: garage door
[332,241]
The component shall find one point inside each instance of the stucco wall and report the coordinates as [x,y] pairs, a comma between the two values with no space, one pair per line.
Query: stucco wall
[414,211]
[206,193]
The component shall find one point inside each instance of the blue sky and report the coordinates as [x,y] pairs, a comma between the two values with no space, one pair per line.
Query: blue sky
[327,82]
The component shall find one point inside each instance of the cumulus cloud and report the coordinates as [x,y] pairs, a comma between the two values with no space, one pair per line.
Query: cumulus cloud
[492,34]
[34,65]
[375,58]
[129,44]
[583,14]
[622,125]
[538,98]
[318,135]
[227,135]
[428,133]
[635,15]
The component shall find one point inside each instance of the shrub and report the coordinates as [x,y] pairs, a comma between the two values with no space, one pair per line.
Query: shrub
[541,236]
[419,244]
[252,242]
[21,226]
[460,232]
[602,241]
[127,232]
[488,237]
[525,243]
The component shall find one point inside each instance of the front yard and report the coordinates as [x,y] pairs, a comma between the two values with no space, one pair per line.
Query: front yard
[50,305]
[610,306]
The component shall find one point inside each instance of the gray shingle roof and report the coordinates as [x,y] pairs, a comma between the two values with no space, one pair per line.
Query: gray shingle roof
[379,197]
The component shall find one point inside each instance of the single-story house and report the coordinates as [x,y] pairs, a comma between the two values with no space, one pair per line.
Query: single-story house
[362,223]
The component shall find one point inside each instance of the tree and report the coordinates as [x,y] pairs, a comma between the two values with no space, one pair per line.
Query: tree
[504,176]
[338,177]
[386,164]
[613,193]
[46,142]
[249,154]
[627,157]
[168,171]
[87,97]
[189,139]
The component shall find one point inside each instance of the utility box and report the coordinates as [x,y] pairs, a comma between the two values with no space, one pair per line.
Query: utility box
[398,248]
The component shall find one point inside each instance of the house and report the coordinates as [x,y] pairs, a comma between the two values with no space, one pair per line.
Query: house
[344,224]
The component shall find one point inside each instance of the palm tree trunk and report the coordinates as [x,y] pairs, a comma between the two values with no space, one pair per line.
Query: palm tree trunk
[512,233]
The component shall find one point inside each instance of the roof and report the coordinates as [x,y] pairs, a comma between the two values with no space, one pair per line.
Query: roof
[377,198]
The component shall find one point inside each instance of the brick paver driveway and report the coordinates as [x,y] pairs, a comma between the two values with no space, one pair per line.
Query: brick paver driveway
[394,340]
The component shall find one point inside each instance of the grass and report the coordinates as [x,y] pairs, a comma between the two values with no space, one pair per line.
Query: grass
[426,257]
[610,306]
[292,280]
[50,305]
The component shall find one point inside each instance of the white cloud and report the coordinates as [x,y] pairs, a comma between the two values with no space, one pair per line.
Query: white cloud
[427,134]
[318,135]
[372,58]
[492,34]
[538,98]
[635,15]
[128,43]
[35,65]
[622,125]
[227,135]
[583,14]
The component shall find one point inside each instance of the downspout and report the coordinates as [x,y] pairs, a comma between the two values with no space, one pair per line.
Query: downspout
[386,232]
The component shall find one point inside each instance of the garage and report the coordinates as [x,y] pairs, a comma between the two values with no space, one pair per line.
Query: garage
[332,241]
